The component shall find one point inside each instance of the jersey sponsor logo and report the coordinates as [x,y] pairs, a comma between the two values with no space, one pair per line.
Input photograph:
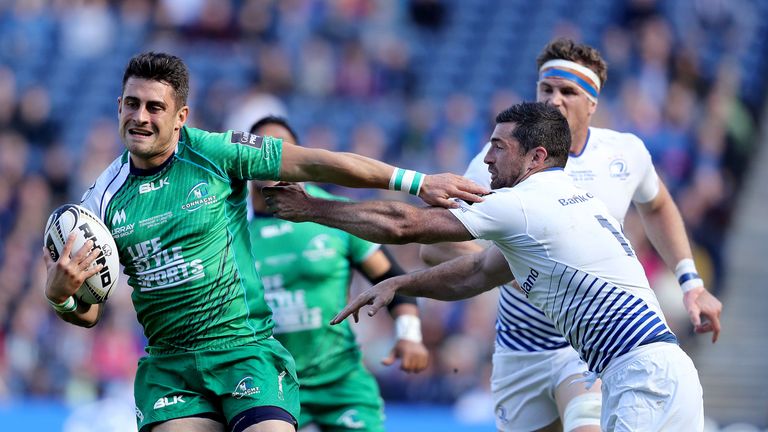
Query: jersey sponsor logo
[248,139]
[198,197]
[245,388]
[119,217]
[318,248]
[156,267]
[289,308]
[527,284]
[121,229]
[576,199]
[270,231]
[581,175]
[139,415]
[169,401]
[618,169]
[156,220]
[349,420]
[153,185]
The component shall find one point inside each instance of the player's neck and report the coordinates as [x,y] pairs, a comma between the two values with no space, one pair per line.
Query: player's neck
[579,140]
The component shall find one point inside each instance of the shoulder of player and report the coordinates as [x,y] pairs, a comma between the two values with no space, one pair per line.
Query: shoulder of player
[616,138]
[111,178]
[495,198]
[196,138]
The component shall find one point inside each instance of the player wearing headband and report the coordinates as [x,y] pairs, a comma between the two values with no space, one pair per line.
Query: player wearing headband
[533,366]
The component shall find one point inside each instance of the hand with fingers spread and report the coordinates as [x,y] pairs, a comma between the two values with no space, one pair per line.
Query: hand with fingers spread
[704,311]
[377,296]
[438,189]
[66,275]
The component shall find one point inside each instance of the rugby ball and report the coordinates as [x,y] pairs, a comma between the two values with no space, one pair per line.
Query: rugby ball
[70,217]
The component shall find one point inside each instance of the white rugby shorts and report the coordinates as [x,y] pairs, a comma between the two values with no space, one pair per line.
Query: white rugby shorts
[523,386]
[654,387]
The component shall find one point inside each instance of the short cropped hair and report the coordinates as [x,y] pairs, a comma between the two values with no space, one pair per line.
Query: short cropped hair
[161,67]
[583,54]
[276,120]
[539,124]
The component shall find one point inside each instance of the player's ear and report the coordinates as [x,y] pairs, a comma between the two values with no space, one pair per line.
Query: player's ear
[540,155]
[119,105]
[592,107]
[181,116]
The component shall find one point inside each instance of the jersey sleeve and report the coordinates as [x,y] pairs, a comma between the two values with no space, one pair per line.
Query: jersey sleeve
[477,170]
[499,217]
[648,186]
[360,250]
[240,155]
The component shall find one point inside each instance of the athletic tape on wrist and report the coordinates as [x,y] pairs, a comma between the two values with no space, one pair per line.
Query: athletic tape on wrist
[687,276]
[406,180]
[68,305]
[408,327]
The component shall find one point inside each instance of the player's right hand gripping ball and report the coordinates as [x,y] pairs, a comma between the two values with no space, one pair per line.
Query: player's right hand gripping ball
[70,217]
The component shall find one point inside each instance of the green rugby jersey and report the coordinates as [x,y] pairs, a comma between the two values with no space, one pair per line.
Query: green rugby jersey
[182,235]
[306,270]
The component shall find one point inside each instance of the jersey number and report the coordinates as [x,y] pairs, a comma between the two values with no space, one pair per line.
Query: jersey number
[619,236]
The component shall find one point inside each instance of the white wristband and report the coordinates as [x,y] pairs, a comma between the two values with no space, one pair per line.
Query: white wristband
[687,276]
[408,327]
[406,180]
[68,305]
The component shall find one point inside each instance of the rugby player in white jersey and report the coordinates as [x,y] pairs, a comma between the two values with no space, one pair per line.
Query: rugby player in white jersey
[617,168]
[568,254]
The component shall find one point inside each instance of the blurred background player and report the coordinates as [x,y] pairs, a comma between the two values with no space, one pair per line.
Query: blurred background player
[617,168]
[178,196]
[306,269]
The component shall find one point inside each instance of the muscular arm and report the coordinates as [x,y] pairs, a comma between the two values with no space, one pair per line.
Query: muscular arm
[434,254]
[377,221]
[457,279]
[352,170]
[664,227]
[666,231]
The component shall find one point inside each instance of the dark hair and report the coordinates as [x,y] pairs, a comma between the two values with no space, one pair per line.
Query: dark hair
[539,124]
[161,67]
[275,120]
[583,54]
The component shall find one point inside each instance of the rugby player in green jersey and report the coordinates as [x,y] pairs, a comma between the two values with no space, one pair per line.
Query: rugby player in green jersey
[306,269]
[175,202]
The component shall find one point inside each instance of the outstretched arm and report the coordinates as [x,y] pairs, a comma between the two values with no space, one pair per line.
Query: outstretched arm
[376,221]
[457,279]
[666,231]
[352,170]
[438,253]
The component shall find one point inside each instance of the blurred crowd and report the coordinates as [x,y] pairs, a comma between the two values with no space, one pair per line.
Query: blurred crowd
[357,75]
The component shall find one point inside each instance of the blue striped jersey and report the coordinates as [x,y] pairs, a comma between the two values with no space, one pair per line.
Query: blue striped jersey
[573,263]
[614,166]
